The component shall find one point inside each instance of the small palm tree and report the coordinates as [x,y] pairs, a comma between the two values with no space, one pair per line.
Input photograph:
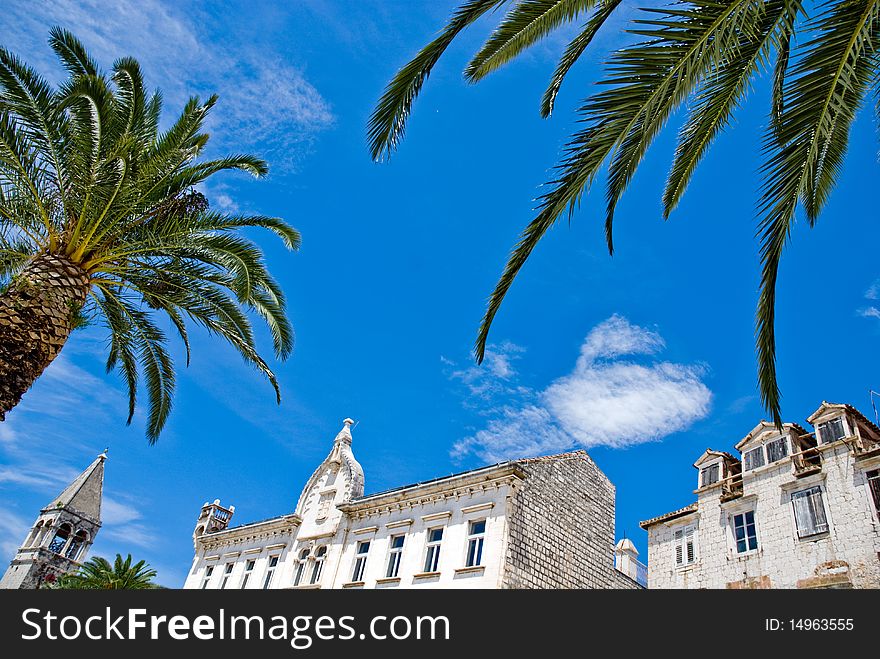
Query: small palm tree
[100,220]
[98,574]
[700,55]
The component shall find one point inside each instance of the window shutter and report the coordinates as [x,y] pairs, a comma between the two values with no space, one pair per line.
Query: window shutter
[689,540]
[679,555]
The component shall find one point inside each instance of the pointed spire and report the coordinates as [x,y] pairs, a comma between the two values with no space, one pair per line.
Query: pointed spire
[344,435]
[84,494]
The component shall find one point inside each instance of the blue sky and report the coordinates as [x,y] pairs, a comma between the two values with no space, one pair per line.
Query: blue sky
[645,358]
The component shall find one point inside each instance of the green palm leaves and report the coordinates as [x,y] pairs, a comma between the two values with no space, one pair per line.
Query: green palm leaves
[85,173]
[701,55]
[98,574]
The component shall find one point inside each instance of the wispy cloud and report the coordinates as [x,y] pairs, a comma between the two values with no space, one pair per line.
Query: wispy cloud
[609,399]
[266,104]
[494,377]
[13,529]
[873,293]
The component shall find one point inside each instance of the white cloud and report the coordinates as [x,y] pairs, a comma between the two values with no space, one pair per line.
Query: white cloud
[494,376]
[873,292]
[13,529]
[266,105]
[870,312]
[609,399]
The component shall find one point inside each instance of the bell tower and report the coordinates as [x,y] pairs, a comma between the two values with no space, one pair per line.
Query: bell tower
[63,533]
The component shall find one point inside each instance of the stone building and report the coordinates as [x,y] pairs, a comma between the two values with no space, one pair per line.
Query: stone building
[538,523]
[63,533]
[794,509]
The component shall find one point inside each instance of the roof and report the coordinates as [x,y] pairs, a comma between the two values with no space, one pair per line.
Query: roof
[471,472]
[83,495]
[850,409]
[713,453]
[681,512]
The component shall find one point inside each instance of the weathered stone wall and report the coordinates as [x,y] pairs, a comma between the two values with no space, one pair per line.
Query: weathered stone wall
[561,526]
[848,555]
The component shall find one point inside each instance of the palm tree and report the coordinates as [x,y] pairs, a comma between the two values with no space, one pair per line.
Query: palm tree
[98,574]
[100,220]
[700,55]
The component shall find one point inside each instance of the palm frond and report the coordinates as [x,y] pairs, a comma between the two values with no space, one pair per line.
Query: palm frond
[525,24]
[573,53]
[387,123]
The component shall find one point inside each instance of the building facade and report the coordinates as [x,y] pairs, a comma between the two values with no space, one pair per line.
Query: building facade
[539,523]
[62,534]
[794,509]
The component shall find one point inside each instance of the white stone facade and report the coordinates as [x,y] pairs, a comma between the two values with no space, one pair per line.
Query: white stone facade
[797,510]
[451,532]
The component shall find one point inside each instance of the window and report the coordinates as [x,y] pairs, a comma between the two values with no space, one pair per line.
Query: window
[226,574]
[874,489]
[476,535]
[60,539]
[809,512]
[76,545]
[432,552]
[685,546]
[778,449]
[270,572]
[248,569]
[360,561]
[394,556]
[754,458]
[320,554]
[831,431]
[208,572]
[744,532]
[709,475]
[301,567]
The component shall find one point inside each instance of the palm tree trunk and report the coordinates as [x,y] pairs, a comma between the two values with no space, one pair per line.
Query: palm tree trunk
[37,314]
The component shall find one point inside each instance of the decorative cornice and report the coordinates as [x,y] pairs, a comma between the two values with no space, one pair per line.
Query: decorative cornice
[478,507]
[257,532]
[366,529]
[433,517]
[400,522]
[446,489]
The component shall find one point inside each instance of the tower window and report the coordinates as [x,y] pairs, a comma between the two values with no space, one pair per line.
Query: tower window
[76,545]
[60,539]
[300,567]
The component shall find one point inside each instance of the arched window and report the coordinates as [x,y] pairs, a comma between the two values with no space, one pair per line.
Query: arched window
[60,539]
[76,545]
[320,554]
[34,537]
[301,567]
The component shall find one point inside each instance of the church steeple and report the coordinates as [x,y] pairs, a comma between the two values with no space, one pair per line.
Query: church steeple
[62,534]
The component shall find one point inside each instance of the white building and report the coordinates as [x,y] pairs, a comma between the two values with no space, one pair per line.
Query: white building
[539,523]
[796,510]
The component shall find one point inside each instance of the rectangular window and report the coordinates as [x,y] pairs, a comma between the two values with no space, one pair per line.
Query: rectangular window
[270,572]
[709,475]
[208,572]
[476,535]
[360,561]
[874,489]
[754,458]
[248,569]
[226,574]
[744,532]
[831,431]
[778,449]
[809,512]
[685,546]
[432,552]
[394,556]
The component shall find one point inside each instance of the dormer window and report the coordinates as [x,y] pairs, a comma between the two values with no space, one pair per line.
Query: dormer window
[710,475]
[753,458]
[777,449]
[831,431]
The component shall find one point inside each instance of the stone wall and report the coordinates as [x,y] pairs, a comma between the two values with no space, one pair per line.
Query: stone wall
[847,555]
[561,526]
